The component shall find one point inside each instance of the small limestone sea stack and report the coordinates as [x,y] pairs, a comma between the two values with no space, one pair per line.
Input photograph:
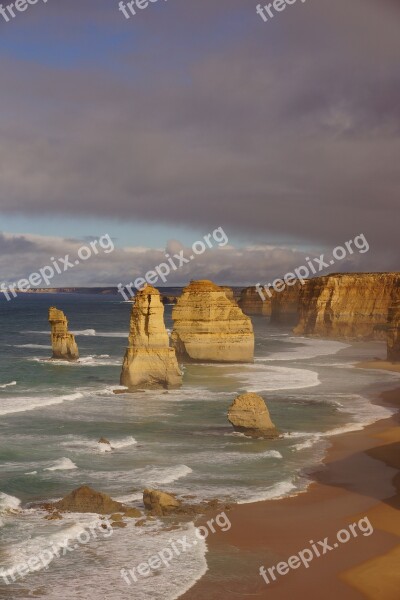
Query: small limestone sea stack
[210,326]
[249,414]
[149,362]
[63,343]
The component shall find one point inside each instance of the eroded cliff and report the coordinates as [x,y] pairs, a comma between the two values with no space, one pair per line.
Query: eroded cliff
[393,334]
[347,306]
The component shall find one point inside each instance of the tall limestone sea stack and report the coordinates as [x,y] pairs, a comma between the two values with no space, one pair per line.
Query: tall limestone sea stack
[63,343]
[347,306]
[149,362]
[208,326]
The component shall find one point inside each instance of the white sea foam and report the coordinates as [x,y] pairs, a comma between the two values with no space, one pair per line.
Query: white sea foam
[307,444]
[87,332]
[123,443]
[160,475]
[31,473]
[275,492]
[271,454]
[256,378]
[9,504]
[6,385]
[34,544]
[309,348]
[79,444]
[62,464]
[102,360]
[33,346]
[19,404]
[128,547]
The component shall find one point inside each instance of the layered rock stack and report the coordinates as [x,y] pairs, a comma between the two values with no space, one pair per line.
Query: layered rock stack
[149,361]
[347,306]
[208,326]
[393,334]
[63,343]
[249,414]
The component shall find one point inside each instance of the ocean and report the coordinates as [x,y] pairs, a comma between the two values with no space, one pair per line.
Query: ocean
[52,415]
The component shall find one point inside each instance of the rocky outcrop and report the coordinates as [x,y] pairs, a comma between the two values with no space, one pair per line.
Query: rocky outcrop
[208,326]
[63,343]
[159,503]
[347,306]
[249,414]
[393,334]
[86,500]
[149,361]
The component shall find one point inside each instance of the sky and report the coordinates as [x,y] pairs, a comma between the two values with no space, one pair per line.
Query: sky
[190,116]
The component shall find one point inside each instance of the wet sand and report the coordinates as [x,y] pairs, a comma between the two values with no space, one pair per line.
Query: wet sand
[360,478]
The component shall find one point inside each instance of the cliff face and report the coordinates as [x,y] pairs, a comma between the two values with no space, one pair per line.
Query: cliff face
[210,327]
[285,305]
[282,307]
[251,302]
[63,343]
[149,362]
[347,306]
[393,334]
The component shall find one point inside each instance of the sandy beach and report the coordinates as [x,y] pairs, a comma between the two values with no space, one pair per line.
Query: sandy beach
[360,478]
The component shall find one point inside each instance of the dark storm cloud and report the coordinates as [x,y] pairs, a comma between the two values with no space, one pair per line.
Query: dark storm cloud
[203,114]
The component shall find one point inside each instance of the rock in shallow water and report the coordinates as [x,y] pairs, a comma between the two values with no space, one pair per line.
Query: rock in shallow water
[249,414]
[63,343]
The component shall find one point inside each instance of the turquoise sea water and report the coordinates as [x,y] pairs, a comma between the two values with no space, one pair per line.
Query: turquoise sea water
[52,415]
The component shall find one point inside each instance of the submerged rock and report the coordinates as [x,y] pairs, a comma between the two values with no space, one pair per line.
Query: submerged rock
[63,343]
[249,414]
[103,440]
[149,361]
[208,326]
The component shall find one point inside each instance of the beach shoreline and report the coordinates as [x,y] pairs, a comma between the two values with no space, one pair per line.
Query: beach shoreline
[358,478]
